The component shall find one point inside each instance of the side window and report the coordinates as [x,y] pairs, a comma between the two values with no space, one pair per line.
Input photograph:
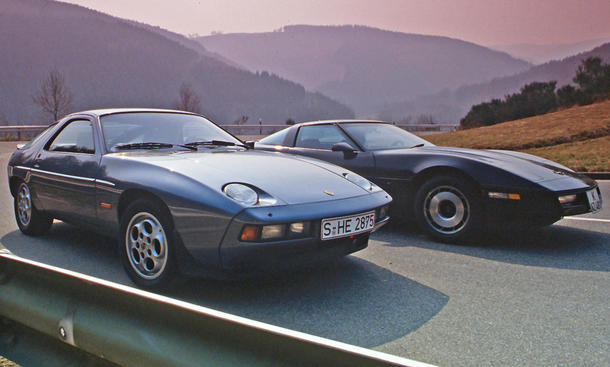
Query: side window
[275,138]
[320,137]
[76,137]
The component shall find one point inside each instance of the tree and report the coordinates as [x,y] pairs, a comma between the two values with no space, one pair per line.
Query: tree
[241,120]
[189,99]
[425,119]
[53,96]
[593,78]
[567,96]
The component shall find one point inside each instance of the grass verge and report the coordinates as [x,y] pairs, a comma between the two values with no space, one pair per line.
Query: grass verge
[583,156]
[566,126]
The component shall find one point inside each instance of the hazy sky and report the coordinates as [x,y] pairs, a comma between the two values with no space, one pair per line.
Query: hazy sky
[486,22]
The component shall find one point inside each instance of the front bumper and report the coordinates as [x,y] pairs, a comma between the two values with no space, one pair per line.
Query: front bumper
[236,255]
[535,209]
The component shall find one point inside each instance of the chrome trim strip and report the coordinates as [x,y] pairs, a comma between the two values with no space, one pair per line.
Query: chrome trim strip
[380,224]
[103,182]
[23,168]
[87,179]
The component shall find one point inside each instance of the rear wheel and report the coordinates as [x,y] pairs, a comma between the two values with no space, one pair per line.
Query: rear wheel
[30,221]
[147,244]
[448,208]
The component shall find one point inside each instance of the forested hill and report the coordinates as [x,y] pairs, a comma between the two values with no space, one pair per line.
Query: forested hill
[111,62]
[364,67]
[452,105]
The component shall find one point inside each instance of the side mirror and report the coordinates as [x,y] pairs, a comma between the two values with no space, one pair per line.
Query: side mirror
[348,150]
[249,144]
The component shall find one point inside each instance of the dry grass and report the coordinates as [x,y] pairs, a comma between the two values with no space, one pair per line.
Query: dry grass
[566,126]
[584,156]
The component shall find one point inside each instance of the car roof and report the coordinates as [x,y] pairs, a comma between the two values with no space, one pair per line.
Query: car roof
[326,122]
[110,111]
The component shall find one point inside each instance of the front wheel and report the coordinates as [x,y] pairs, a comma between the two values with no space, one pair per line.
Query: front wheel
[30,221]
[448,208]
[147,244]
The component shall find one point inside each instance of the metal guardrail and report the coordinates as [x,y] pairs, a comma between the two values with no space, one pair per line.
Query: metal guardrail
[20,132]
[270,129]
[26,132]
[51,316]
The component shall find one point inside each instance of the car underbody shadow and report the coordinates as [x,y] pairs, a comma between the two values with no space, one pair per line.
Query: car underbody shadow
[555,246]
[349,300]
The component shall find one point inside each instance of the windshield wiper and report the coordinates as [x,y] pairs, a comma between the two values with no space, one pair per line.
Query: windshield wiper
[222,143]
[418,145]
[151,145]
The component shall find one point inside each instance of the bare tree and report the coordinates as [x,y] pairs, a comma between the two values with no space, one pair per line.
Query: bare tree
[189,99]
[53,96]
[241,120]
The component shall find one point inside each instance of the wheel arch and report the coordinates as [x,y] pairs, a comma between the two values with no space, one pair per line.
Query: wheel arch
[130,195]
[14,183]
[435,171]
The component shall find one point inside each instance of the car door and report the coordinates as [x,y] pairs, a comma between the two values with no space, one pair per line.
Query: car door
[317,141]
[64,171]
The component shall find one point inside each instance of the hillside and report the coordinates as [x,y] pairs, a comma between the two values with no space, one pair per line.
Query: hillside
[111,62]
[451,105]
[577,137]
[364,67]
[539,54]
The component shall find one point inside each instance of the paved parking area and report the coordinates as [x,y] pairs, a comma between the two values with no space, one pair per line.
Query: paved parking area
[539,298]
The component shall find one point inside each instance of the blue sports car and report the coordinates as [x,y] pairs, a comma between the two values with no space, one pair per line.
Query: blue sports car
[182,194]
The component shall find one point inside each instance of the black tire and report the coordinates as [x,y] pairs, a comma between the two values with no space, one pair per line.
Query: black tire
[147,245]
[30,220]
[448,208]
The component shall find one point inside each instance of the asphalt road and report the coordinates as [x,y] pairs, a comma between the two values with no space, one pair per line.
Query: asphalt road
[536,299]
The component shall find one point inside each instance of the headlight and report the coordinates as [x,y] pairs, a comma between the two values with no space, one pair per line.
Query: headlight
[359,180]
[241,193]
[565,199]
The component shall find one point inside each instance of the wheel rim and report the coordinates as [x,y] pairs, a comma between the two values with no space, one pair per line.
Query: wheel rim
[24,205]
[146,245]
[446,210]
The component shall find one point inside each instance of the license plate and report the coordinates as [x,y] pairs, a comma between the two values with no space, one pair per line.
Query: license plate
[595,200]
[347,226]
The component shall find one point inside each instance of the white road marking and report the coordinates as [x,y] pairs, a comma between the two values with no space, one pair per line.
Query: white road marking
[591,219]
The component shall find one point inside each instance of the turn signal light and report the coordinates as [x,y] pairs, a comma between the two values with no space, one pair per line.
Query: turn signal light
[504,195]
[250,233]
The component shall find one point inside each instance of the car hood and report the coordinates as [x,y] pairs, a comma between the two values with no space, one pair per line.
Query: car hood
[290,180]
[530,167]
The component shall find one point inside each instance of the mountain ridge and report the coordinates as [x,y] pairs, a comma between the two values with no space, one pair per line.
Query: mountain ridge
[110,62]
[451,105]
[361,66]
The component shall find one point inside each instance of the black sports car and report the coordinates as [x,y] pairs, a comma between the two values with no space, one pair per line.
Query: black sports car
[450,192]
[181,193]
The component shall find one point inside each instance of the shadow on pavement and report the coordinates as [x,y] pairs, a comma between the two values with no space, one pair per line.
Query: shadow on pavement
[554,246]
[71,248]
[349,300]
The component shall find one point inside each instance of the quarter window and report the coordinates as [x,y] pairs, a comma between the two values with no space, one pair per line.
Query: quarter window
[76,137]
[320,137]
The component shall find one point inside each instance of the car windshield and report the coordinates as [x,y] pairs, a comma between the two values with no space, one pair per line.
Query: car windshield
[376,136]
[157,130]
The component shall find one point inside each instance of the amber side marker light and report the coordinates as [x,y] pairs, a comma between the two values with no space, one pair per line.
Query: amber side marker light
[504,195]
[249,233]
